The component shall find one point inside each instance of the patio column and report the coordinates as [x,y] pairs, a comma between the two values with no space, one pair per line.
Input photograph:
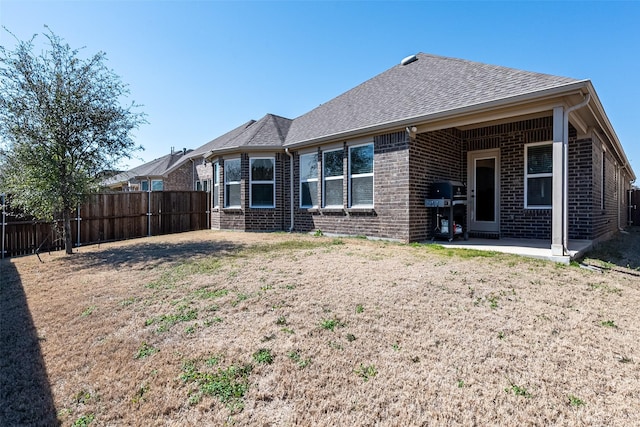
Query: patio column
[557,202]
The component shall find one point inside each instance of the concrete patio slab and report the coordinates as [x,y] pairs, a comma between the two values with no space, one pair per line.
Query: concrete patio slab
[533,248]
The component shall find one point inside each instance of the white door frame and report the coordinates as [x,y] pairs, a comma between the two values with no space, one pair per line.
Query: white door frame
[472,158]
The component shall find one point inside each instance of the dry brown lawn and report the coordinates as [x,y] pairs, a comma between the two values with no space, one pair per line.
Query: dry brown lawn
[218,328]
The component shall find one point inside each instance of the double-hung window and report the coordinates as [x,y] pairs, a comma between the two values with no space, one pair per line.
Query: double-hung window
[232,178]
[333,176]
[361,176]
[216,185]
[538,176]
[309,180]
[262,182]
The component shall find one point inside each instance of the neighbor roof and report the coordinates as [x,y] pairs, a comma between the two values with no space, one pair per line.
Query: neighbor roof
[428,85]
[155,168]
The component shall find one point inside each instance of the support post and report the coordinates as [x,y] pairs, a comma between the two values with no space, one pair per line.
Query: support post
[557,203]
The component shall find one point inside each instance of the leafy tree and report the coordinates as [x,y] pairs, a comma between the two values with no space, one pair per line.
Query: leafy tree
[61,124]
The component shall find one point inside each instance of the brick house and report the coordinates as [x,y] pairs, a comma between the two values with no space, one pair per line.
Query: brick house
[536,152]
[175,171]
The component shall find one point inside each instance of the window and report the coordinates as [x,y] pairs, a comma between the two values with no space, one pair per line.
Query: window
[361,176]
[232,177]
[333,176]
[309,180]
[538,175]
[144,185]
[262,182]
[216,185]
[157,185]
[198,185]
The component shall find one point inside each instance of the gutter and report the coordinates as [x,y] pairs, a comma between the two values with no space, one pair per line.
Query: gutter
[286,150]
[565,172]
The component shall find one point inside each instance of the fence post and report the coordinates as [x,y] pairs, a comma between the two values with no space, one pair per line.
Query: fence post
[78,219]
[4,219]
[149,213]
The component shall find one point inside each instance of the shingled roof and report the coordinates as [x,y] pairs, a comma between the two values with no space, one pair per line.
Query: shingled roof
[430,84]
[155,168]
[270,131]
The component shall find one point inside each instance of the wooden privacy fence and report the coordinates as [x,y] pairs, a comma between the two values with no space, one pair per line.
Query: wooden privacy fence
[108,217]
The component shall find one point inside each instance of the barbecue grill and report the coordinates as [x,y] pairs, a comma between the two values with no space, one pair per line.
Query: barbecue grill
[449,198]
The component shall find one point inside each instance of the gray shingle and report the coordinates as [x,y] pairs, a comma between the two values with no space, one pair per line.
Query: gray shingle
[430,85]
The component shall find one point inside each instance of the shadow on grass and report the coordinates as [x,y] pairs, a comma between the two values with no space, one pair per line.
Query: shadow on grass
[148,255]
[623,250]
[25,392]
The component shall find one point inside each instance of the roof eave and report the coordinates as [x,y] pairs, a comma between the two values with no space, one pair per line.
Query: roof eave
[243,149]
[444,114]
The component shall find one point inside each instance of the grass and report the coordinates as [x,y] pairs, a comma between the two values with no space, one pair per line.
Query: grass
[145,350]
[228,385]
[331,324]
[166,321]
[263,356]
[366,372]
[412,327]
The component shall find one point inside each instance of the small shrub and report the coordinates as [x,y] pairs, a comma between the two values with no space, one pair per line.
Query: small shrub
[263,356]
[331,324]
[609,324]
[517,390]
[228,385]
[84,420]
[359,308]
[145,350]
[88,311]
[297,358]
[318,233]
[366,372]
[575,401]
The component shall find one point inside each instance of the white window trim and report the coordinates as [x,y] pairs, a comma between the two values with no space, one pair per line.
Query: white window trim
[305,180]
[156,180]
[535,175]
[252,181]
[231,183]
[361,175]
[331,178]
[216,183]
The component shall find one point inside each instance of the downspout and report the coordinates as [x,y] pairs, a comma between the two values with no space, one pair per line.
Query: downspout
[286,150]
[565,178]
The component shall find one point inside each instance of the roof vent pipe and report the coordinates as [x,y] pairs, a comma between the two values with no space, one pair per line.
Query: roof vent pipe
[408,60]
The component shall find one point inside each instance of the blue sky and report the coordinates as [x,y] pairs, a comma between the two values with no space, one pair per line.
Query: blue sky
[201,68]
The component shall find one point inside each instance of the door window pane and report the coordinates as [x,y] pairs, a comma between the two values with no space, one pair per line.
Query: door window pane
[485,181]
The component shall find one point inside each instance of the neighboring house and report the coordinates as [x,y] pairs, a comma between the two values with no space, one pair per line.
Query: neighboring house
[537,153]
[171,172]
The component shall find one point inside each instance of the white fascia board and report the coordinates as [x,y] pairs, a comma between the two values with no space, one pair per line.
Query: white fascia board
[244,149]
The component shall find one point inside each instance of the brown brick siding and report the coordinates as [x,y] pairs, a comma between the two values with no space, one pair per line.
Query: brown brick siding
[404,168]
[434,156]
[390,216]
[180,179]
